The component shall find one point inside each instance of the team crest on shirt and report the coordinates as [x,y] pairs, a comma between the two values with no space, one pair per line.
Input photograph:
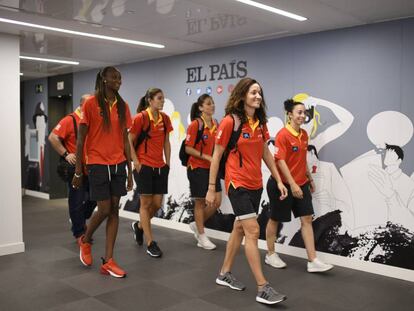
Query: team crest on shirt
[205,136]
[246,135]
[295,148]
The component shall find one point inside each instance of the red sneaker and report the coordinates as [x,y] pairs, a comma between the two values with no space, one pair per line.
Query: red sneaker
[85,253]
[111,268]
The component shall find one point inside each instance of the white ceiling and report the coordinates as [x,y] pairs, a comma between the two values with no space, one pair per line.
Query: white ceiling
[183,26]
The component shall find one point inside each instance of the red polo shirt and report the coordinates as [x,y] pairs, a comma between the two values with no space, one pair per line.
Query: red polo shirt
[103,146]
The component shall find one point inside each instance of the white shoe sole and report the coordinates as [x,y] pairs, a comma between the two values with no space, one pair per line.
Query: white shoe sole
[316,270]
[277,267]
[220,282]
[210,248]
[107,272]
[154,256]
[80,257]
[261,300]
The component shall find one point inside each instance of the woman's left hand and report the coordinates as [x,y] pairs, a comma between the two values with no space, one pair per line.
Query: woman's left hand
[283,190]
[130,182]
[312,186]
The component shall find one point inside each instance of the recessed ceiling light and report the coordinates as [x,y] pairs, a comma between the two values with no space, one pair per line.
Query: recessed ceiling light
[83,34]
[50,60]
[273,10]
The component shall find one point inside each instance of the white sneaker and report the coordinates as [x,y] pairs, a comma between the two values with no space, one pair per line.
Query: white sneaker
[275,261]
[193,228]
[318,266]
[204,242]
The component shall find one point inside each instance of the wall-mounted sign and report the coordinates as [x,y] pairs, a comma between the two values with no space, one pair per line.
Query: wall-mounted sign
[39,88]
[60,85]
[232,70]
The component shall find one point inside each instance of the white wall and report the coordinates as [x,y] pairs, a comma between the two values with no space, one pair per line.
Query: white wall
[11,234]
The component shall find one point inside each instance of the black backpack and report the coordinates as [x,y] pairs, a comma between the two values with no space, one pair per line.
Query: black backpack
[64,169]
[231,146]
[144,135]
[183,155]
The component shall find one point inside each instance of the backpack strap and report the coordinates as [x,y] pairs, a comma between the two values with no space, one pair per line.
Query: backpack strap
[234,138]
[75,126]
[164,117]
[147,129]
[199,136]
[75,129]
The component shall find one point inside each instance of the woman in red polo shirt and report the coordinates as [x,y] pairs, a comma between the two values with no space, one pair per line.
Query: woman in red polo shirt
[149,139]
[243,180]
[103,125]
[291,149]
[200,150]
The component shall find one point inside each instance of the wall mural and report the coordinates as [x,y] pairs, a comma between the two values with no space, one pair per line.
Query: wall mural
[364,209]
[34,149]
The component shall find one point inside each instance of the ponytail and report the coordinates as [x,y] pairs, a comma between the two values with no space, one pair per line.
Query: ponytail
[143,104]
[195,112]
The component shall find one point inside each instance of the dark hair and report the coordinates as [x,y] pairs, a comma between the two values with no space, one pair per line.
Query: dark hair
[313,148]
[235,103]
[397,149]
[101,96]
[144,101]
[290,104]
[195,107]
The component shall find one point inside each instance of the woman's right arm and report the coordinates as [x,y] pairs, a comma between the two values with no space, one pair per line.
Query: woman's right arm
[82,133]
[195,153]
[214,167]
[131,138]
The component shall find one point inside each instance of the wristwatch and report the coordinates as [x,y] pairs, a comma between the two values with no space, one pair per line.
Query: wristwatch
[65,154]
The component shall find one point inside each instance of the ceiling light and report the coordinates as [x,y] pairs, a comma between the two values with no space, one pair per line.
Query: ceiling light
[50,60]
[82,34]
[273,10]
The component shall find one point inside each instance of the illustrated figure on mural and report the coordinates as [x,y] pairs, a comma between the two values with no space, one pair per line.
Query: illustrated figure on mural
[35,140]
[377,172]
[40,121]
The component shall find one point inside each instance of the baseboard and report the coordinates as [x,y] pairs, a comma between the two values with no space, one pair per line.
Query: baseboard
[352,263]
[36,194]
[12,248]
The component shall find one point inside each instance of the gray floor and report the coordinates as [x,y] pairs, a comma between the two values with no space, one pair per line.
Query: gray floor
[49,276]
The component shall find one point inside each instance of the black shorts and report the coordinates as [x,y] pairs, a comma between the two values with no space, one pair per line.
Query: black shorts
[245,202]
[106,181]
[281,210]
[152,180]
[199,178]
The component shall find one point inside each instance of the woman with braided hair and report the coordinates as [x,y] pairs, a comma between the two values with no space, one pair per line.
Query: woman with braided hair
[105,119]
